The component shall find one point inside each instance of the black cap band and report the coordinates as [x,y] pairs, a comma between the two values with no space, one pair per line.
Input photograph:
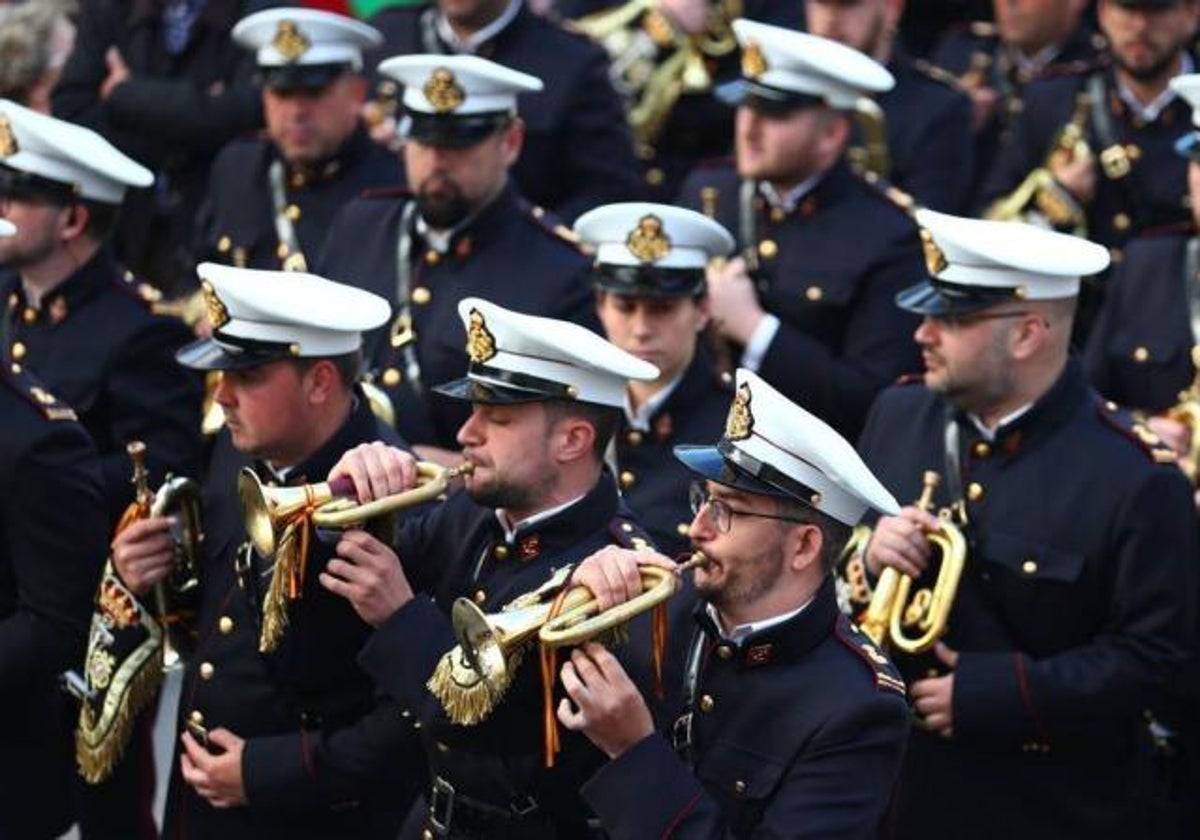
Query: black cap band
[20,185]
[452,131]
[648,281]
[310,77]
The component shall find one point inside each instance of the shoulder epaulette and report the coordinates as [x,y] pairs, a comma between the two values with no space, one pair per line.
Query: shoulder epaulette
[887,678]
[938,74]
[138,289]
[887,190]
[629,534]
[1079,67]
[48,405]
[1134,429]
[385,192]
[546,221]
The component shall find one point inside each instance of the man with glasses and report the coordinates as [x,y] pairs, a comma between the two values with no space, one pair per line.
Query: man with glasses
[788,720]
[1076,610]
[463,230]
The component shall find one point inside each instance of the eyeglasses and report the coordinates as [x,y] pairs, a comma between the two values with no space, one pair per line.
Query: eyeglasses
[722,514]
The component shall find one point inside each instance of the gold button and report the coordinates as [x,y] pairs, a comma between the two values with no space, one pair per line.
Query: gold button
[196,717]
[18,351]
[767,249]
[634,437]
[225,625]
[627,479]
[292,212]
[421,295]
[224,244]
[443,747]
[724,651]
[777,214]
[982,450]
[814,293]
[1141,354]
[480,596]
[654,176]
[1121,221]
[16,368]
[626,527]
[739,787]
[1029,567]
[12,301]
[682,529]
[1116,255]
[500,552]
[706,703]
[391,377]
[1133,151]
[30,315]
[282,251]
[206,670]
[974,491]
[427,835]
[432,257]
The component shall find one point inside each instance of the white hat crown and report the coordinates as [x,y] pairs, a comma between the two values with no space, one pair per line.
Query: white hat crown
[299,36]
[459,85]
[642,233]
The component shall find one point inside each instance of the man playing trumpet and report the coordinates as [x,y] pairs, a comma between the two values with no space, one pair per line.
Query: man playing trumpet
[546,397]
[281,732]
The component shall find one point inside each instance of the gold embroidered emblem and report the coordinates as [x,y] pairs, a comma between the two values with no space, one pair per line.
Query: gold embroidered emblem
[648,242]
[754,63]
[100,667]
[481,344]
[58,310]
[443,91]
[289,41]
[740,421]
[935,259]
[218,315]
[8,140]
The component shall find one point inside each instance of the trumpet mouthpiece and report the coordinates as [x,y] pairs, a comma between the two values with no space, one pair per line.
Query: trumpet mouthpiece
[695,561]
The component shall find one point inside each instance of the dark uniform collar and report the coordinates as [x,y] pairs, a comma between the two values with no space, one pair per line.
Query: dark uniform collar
[87,282]
[353,148]
[487,225]
[782,643]
[556,534]
[694,388]
[830,188]
[1055,408]
[360,425]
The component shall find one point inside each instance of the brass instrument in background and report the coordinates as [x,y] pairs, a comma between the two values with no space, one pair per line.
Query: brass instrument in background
[653,64]
[872,155]
[1039,195]
[1187,412]
[178,497]
[890,614]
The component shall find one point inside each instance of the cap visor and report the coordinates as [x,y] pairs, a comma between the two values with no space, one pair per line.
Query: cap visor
[472,390]
[765,100]
[632,281]
[450,132]
[300,77]
[927,299]
[208,354]
[707,462]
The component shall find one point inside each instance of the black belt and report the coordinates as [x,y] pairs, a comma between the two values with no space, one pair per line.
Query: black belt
[451,813]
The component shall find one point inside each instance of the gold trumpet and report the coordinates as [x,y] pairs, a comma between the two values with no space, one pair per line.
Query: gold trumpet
[890,614]
[1187,412]
[471,678]
[178,497]
[269,511]
[873,154]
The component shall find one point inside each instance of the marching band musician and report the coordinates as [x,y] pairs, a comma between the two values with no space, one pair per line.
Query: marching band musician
[809,305]
[282,735]
[53,527]
[271,200]
[652,300]
[546,397]
[463,230]
[789,721]
[1076,609]
[73,315]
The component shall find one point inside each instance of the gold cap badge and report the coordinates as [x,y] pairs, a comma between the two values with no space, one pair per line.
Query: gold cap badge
[218,315]
[740,421]
[289,41]
[754,63]
[647,241]
[481,344]
[8,140]
[443,91]
[935,260]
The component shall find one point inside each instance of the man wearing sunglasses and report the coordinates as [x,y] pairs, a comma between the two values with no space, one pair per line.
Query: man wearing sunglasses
[1076,609]
[787,720]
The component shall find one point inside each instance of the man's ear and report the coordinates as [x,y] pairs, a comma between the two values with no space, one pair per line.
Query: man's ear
[802,546]
[512,140]
[322,381]
[75,222]
[573,438]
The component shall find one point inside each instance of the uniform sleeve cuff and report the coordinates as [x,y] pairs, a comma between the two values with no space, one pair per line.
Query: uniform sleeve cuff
[629,807]
[760,342]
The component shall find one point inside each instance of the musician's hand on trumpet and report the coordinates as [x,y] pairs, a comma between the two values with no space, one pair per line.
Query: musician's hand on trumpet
[377,470]
[902,542]
[604,704]
[368,574]
[143,553]
[1076,173]
[612,574]
[933,698]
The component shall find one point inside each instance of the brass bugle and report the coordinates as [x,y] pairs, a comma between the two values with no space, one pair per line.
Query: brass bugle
[1187,412]
[266,511]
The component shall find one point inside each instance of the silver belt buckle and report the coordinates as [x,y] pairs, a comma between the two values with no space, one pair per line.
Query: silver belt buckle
[442,791]
[681,732]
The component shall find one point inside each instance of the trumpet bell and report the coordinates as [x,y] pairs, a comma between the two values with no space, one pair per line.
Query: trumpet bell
[263,508]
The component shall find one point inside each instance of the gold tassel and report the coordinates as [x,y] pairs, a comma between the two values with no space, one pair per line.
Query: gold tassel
[466,696]
[287,584]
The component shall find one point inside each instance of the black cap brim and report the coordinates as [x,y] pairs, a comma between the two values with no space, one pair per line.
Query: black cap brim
[472,390]
[650,282]
[209,354]
[708,462]
[764,99]
[448,131]
[935,299]
[285,78]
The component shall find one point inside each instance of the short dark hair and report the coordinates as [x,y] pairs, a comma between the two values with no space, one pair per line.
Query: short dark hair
[602,418]
[102,219]
[348,365]
[834,534]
